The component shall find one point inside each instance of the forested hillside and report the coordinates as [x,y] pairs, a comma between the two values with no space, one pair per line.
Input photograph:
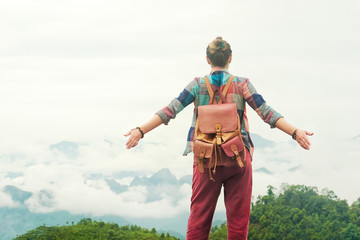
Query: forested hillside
[300,212]
[86,229]
[297,212]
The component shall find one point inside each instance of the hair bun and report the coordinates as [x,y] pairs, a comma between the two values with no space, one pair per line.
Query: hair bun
[219,43]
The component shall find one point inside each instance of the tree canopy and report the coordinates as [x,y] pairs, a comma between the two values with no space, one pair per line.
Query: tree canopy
[87,229]
[297,212]
[300,212]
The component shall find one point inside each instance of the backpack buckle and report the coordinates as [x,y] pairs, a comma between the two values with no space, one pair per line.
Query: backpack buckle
[218,133]
[237,154]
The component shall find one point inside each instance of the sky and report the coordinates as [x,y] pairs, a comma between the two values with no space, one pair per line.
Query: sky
[85,71]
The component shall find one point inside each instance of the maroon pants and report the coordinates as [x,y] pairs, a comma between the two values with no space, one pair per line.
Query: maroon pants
[237,184]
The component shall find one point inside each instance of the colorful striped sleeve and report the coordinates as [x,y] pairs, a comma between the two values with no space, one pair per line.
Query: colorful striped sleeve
[257,102]
[186,97]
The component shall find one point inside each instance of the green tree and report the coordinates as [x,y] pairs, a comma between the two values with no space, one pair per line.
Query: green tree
[86,229]
[300,212]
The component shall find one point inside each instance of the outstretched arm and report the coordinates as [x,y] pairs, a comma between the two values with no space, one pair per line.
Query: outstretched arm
[186,97]
[272,117]
[135,134]
[301,135]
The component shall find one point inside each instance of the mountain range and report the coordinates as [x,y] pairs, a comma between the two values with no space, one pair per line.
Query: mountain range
[18,219]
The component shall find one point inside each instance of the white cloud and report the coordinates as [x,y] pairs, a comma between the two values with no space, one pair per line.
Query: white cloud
[85,71]
[329,164]
[62,183]
[6,200]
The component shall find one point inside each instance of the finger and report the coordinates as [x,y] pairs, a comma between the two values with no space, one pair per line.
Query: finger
[127,134]
[306,140]
[305,145]
[303,141]
[132,144]
[128,144]
[309,133]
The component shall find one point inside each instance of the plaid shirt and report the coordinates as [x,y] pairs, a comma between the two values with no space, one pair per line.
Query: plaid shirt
[241,90]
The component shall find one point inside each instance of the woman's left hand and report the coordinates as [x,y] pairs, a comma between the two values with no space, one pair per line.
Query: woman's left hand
[302,139]
[134,138]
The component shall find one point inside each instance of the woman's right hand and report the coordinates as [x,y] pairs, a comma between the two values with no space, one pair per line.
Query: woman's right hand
[302,139]
[134,138]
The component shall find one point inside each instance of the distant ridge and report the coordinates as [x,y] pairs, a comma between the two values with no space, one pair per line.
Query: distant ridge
[17,194]
[260,142]
[16,221]
[294,169]
[19,219]
[69,149]
[264,170]
[163,176]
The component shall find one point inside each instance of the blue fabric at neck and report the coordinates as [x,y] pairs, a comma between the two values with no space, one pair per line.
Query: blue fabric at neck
[217,78]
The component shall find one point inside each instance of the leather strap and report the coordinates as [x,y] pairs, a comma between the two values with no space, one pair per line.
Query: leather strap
[210,91]
[244,150]
[236,152]
[226,88]
[223,94]
[210,161]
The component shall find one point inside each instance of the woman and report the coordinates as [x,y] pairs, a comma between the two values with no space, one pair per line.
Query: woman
[237,181]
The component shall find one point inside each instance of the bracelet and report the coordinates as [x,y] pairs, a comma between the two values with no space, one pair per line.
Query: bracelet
[141,131]
[294,134]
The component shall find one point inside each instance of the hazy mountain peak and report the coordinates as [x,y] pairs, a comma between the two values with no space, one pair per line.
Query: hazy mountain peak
[69,149]
[17,194]
[186,179]
[163,176]
[296,168]
[139,181]
[14,175]
[115,186]
[260,142]
[264,170]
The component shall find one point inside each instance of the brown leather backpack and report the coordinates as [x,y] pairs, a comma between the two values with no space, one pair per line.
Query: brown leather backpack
[218,124]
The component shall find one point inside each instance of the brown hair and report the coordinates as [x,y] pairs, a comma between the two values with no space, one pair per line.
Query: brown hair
[219,51]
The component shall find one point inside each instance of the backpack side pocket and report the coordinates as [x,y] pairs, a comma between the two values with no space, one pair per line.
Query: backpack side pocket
[234,148]
[202,152]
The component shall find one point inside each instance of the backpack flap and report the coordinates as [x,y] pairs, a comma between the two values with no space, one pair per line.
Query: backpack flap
[210,116]
[235,149]
[202,152]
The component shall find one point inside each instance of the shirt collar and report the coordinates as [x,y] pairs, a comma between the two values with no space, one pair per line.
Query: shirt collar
[217,69]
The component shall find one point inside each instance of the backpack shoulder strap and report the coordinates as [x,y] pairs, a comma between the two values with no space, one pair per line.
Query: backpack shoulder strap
[210,91]
[226,88]
[227,85]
